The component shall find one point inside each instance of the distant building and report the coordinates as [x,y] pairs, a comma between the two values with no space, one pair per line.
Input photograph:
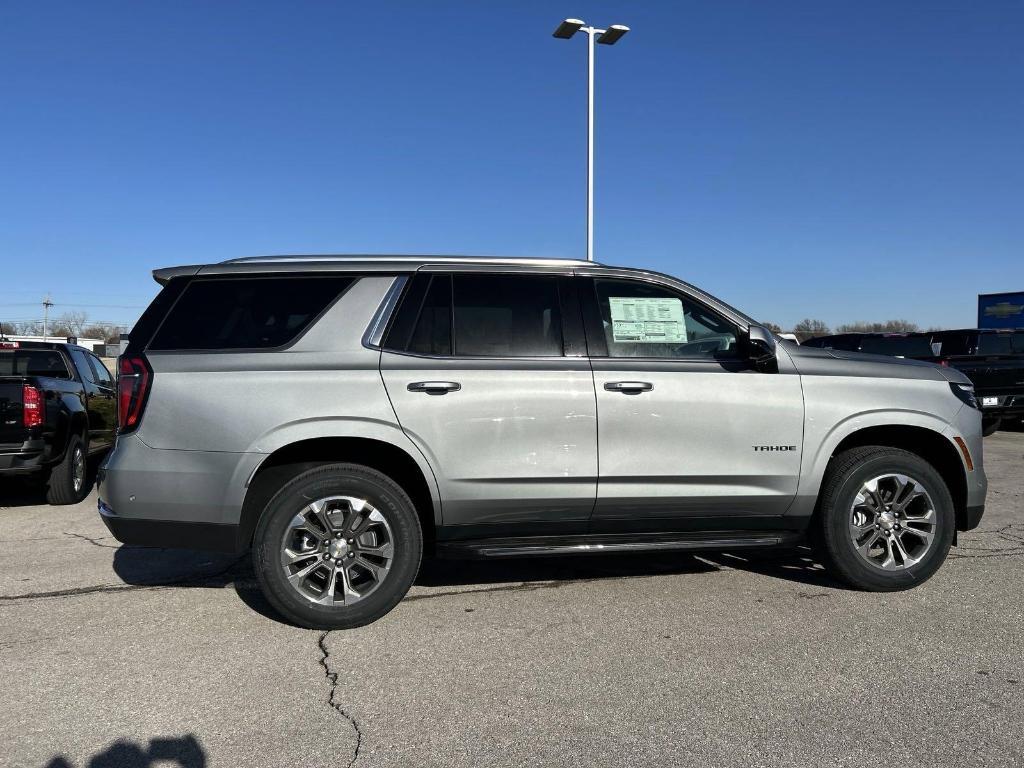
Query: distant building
[90,344]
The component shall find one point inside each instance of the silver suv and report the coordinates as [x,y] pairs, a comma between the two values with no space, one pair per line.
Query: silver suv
[343,416]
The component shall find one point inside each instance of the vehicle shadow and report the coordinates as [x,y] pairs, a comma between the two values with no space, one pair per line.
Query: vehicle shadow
[184,752]
[170,568]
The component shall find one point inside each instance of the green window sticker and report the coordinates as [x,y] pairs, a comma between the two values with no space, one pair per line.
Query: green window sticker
[647,320]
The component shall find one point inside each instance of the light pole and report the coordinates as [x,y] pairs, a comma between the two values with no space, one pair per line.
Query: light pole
[609,36]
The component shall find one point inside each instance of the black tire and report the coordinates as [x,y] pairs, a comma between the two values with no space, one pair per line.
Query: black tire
[989,426]
[67,483]
[325,481]
[846,474]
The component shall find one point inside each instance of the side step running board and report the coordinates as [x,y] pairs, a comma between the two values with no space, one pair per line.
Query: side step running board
[538,546]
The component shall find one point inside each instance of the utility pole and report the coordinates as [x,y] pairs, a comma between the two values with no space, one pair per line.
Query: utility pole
[609,36]
[47,303]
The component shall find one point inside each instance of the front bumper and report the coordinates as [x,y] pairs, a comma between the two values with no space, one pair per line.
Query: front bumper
[971,518]
[1004,406]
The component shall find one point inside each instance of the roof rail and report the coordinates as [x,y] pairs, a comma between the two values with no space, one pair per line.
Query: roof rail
[417,258]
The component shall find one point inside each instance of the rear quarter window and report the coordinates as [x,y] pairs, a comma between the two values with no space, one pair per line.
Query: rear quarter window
[246,313]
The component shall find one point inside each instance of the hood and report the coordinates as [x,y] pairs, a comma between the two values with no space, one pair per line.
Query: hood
[813,361]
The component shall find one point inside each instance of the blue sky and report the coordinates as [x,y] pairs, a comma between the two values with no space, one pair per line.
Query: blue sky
[858,160]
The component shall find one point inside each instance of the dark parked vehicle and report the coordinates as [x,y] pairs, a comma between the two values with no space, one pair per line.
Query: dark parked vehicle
[992,359]
[57,406]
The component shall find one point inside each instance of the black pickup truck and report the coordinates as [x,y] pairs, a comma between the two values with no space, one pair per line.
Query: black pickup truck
[992,359]
[57,406]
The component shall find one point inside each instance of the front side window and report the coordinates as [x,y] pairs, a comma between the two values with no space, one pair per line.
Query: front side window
[644,320]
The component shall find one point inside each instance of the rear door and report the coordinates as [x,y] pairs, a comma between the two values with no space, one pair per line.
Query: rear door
[689,432]
[488,376]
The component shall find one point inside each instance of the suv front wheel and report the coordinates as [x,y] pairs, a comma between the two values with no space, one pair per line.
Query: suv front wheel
[337,547]
[885,520]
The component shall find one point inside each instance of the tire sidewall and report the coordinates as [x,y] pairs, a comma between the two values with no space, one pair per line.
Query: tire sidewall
[836,528]
[338,480]
[61,479]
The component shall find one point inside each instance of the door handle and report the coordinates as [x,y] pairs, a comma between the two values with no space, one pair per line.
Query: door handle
[628,387]
[435,387]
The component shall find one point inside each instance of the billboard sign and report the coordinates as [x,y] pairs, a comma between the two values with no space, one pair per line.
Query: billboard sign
[1001,310]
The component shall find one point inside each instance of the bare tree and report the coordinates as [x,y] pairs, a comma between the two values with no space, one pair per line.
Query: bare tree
[889,326]
[7,329]
[808,328]
[106,331]
[29,328]
[70,323]
[773,327]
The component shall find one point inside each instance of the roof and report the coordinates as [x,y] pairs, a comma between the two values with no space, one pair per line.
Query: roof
[397,264]
[367,262]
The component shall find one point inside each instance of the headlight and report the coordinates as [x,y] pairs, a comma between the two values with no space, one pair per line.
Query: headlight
[965,393]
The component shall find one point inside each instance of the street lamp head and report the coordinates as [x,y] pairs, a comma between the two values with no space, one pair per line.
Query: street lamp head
[612,35]
[568,28]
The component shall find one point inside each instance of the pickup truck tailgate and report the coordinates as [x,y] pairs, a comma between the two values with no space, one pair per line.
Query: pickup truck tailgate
[12,432]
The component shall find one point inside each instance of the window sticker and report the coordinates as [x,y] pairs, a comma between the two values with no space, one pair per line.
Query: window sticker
[647,320]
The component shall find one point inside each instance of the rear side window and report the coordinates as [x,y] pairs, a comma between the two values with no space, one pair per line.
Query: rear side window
[954,342]
[433,332]
[246,313]
[480,315]
[898,346]
[507,316]
[33,362]
[995,344]
[82,364]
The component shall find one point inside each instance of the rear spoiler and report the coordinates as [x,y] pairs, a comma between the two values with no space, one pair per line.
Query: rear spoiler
[165,275]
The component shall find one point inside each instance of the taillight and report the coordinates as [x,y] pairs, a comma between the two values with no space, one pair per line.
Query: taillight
[133,381]
[31,406]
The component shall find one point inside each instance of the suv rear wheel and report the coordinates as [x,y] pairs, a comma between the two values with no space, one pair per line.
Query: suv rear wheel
[337,547]
[886,519]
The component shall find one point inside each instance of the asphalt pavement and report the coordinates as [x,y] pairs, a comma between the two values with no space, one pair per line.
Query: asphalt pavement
[122,656]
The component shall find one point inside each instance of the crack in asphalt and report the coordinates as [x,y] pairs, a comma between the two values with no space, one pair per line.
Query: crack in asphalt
[1013,547]
[214,579]
[95,541]
[332,679]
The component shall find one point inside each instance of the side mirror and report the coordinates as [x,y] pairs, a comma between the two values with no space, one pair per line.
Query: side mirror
[761,347]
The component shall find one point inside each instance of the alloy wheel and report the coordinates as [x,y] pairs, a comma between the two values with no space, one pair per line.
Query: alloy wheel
[337,550]
[893,521]
[78,470]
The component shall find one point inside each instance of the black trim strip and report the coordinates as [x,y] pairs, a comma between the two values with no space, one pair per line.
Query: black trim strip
[175,534]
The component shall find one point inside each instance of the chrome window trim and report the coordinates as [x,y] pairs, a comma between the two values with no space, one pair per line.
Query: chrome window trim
[374,336]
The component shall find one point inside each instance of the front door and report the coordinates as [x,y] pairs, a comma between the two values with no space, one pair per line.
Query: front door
[689,432]
[487,376]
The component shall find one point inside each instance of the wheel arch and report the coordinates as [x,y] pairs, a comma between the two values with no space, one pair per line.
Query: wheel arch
[932,446]
[295,457]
